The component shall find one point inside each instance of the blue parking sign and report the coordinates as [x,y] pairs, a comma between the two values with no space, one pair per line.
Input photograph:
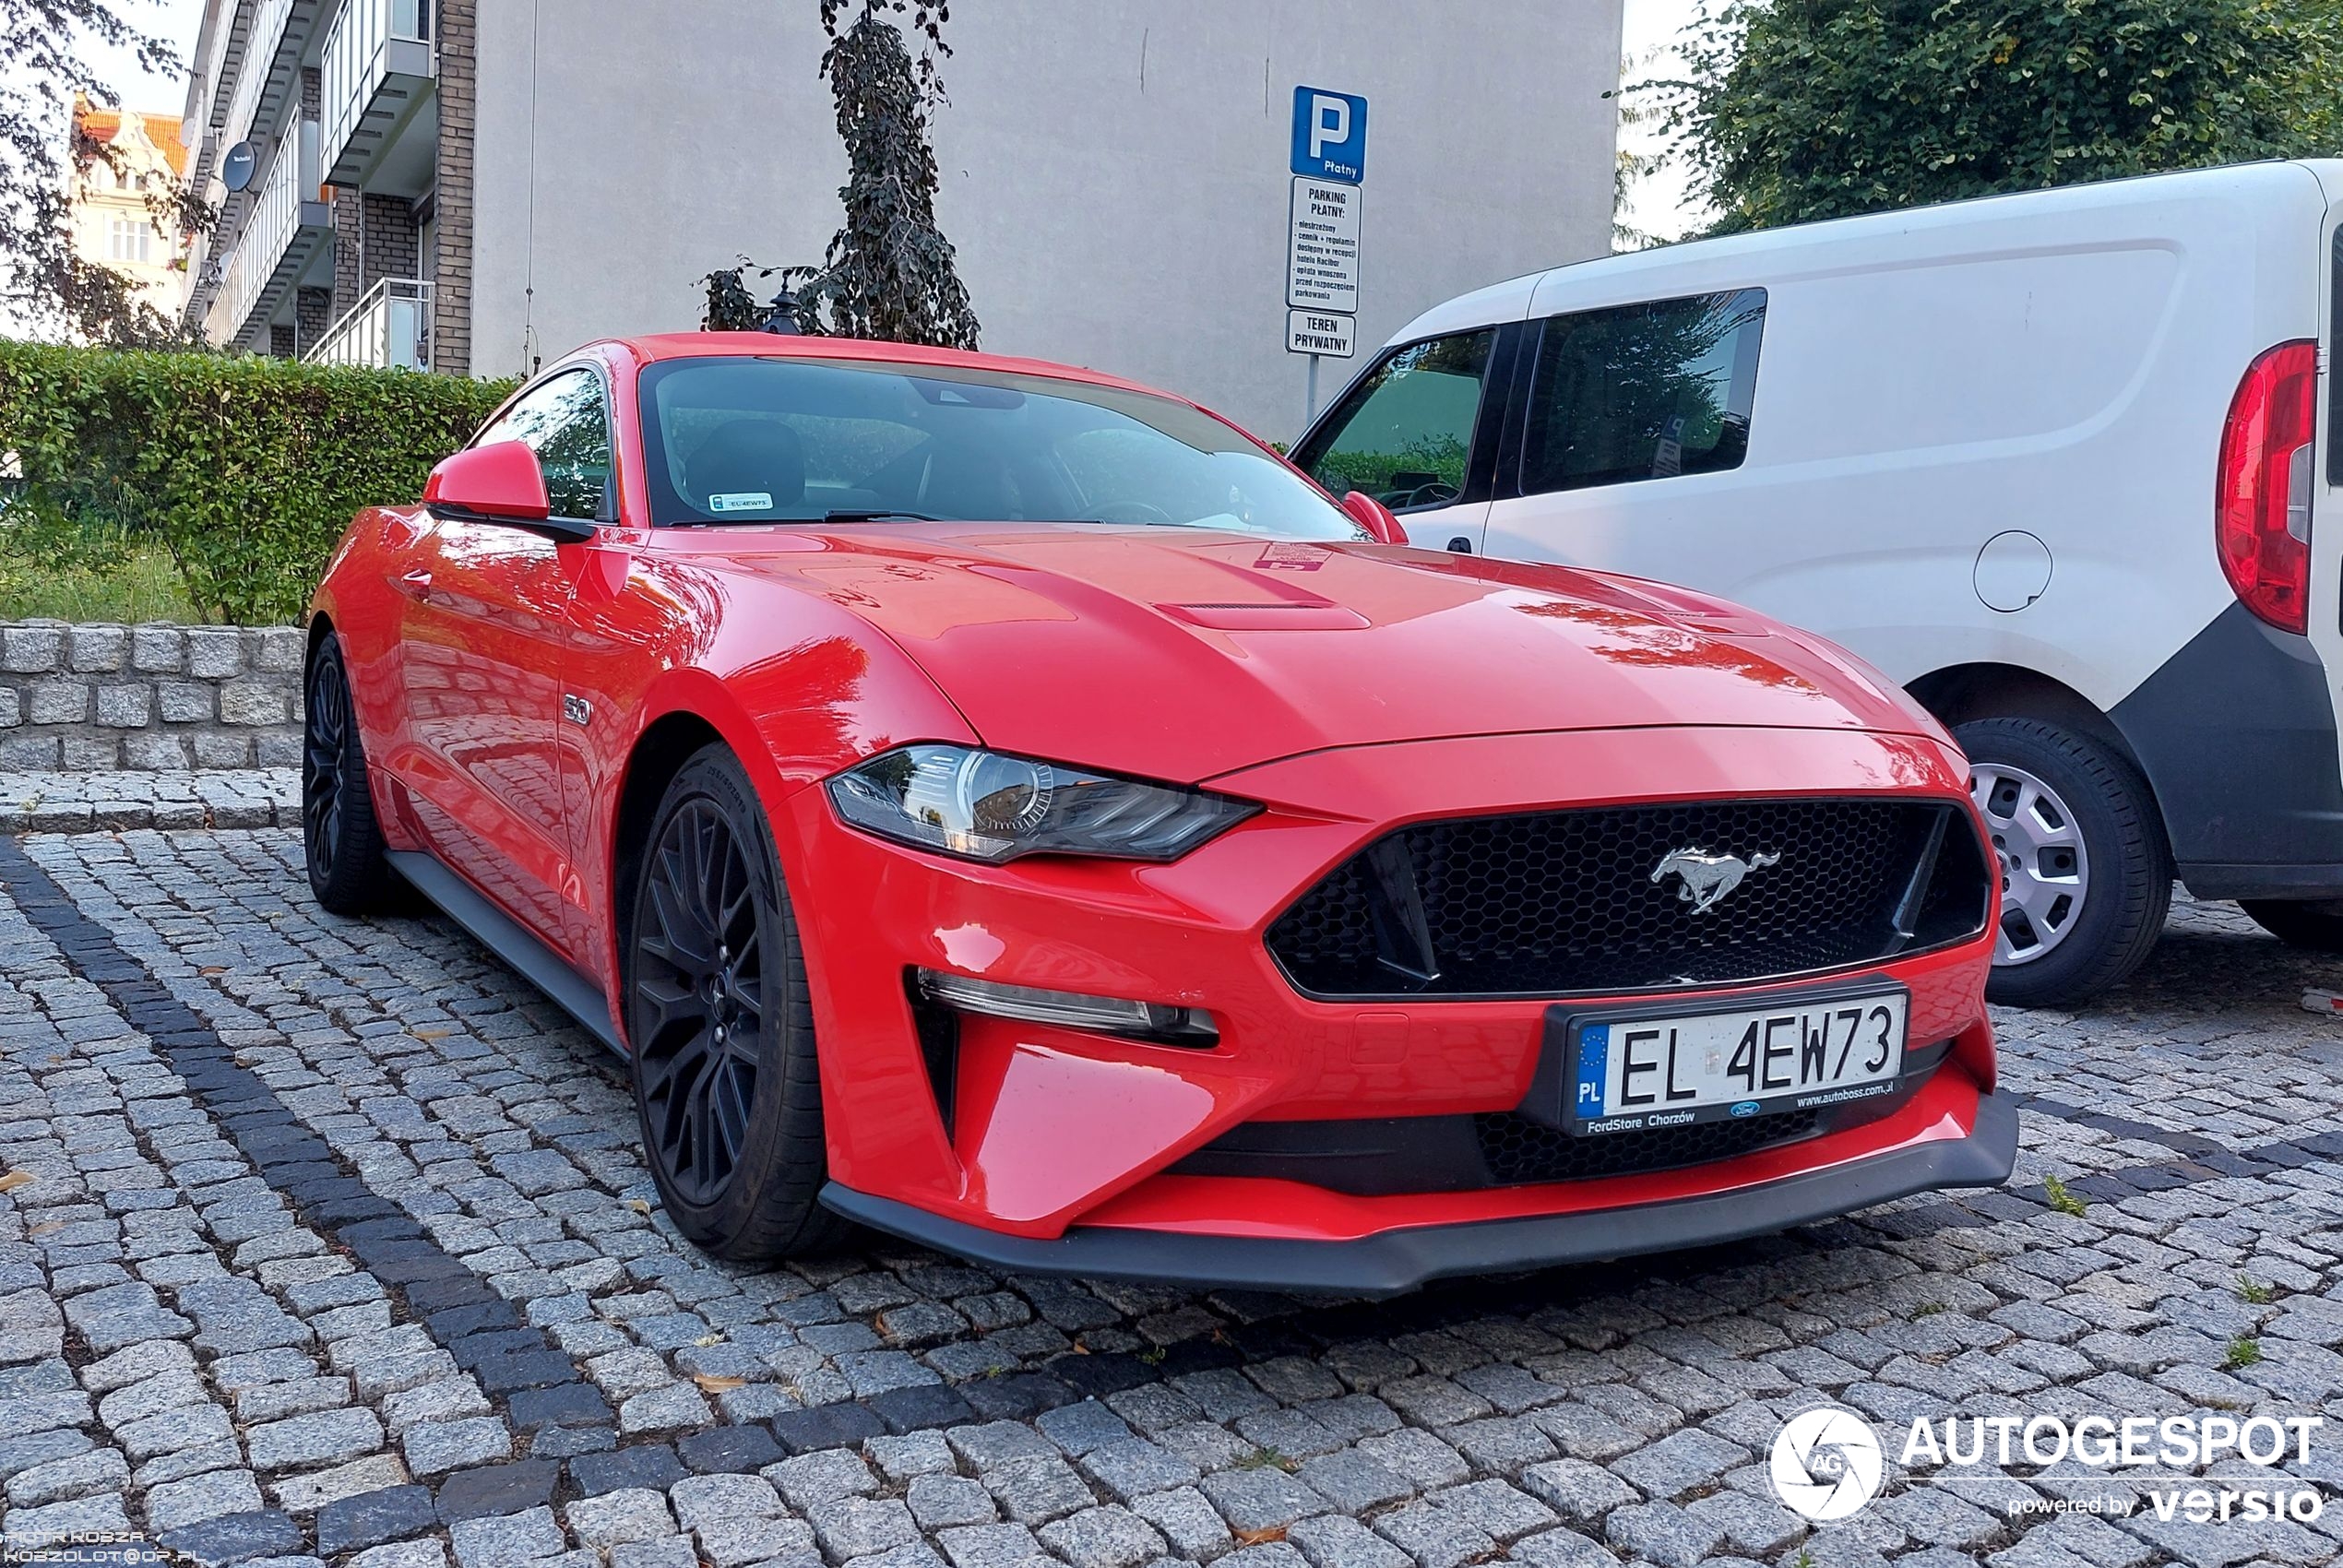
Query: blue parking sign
[1329,135]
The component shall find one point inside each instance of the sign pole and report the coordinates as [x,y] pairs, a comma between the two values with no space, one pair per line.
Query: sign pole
[1310,398]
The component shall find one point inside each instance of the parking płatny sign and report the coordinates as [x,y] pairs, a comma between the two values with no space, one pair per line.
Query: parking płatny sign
[1329,164]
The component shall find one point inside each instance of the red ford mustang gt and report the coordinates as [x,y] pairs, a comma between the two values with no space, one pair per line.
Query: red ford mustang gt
[1010,808]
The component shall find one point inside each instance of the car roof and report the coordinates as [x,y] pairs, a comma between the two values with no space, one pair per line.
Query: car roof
[770,345]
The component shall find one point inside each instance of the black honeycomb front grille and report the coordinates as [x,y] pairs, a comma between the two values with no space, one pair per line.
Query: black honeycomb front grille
[1558,902]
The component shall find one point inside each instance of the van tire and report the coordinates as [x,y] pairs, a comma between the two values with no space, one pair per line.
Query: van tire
[2314,925]
[2129,889]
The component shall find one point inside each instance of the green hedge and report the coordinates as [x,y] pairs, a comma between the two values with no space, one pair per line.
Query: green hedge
[245,470]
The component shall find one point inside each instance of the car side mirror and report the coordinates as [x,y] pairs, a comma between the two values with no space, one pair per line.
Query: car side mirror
[501,482]
[1374,516]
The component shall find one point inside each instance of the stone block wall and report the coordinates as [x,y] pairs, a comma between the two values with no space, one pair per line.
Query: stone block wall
[87,699]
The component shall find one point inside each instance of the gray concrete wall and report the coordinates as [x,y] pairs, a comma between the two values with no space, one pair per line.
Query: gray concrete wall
[1114,176]
[95,698]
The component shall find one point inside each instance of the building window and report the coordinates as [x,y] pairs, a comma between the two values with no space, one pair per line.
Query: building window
[127,238]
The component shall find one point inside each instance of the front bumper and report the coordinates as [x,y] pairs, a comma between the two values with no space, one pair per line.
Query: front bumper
[1003,1134]
[1390,1261]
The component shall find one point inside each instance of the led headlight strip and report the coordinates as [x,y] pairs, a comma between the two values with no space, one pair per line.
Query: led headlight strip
[989,806]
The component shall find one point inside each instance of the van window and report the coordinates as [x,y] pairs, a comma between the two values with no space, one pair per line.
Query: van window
[1644,391]
[1404,431]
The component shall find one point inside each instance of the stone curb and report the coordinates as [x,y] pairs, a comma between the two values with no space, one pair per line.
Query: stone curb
[122,799]
[155,698]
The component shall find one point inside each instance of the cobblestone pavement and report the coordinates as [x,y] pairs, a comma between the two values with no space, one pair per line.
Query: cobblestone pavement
[332,1241]
[108,801]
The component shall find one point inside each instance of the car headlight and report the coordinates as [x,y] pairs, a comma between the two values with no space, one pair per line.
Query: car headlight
[986,806]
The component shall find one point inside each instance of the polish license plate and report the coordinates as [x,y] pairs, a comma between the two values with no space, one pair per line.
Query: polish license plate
[1651,1070]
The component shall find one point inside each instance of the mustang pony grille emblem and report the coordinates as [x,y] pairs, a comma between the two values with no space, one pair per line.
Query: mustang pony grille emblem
[1706,878]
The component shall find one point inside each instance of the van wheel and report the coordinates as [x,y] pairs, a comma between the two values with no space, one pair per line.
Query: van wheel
[2086,877]
[725,1073]
[2315,924]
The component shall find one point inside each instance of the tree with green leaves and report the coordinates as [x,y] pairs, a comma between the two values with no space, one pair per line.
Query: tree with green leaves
[889,273]
[50,286]
[1796,110]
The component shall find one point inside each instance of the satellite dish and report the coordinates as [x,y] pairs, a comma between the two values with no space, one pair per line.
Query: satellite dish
[235,168]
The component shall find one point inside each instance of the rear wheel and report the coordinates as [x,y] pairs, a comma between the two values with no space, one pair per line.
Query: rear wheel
[724,1066]
[2315,924]
[339,836]
[2086,878]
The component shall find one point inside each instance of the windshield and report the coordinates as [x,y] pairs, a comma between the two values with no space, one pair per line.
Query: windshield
[765,440]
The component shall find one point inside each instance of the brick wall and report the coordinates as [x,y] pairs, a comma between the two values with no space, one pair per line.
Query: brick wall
[100,697]
[350,250]
[390,239]
[312,314]
[451,270]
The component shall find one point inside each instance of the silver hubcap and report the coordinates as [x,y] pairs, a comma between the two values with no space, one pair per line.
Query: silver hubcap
[2046,874]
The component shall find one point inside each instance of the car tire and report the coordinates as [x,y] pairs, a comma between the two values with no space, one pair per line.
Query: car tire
[340,837]
[726,1079]
[2070,818]
[2314,925]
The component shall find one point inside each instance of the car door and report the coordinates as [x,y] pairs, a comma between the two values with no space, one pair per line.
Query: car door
[1419,431]
[1623,415]
[486,631]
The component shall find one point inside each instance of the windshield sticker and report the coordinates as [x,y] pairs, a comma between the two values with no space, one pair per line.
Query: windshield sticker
[742,501]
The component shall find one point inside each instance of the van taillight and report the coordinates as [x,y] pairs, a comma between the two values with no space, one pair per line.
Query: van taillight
[2262,508]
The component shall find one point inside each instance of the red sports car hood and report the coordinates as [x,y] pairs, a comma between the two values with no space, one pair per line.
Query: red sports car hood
[1181,655]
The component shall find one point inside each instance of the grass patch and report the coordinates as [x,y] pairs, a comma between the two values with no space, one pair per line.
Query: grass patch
[79,570]
[2054,1192]
[1267,1460]
[1928,1309]
[144,587]
[2253,1292]
[2243,1352]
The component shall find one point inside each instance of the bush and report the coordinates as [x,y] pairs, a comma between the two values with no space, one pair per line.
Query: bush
[245,470]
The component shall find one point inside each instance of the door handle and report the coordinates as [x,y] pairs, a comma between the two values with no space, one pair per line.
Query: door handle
[415,583]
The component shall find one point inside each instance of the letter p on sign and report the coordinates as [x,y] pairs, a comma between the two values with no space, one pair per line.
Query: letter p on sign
[1329,123]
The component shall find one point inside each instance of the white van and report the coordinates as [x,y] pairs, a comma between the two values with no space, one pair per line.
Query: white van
[2046,459]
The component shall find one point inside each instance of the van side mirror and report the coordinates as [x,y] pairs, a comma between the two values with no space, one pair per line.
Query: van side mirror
[501,482]
[1374,516]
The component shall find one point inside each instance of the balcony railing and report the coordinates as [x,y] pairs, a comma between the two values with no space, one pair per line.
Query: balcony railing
[286,225]
[378,66]
[258,83]
[388,328]
[260,66]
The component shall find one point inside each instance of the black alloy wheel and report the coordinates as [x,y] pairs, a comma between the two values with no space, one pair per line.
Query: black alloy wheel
[724,1065]
[701,985]
[340,839]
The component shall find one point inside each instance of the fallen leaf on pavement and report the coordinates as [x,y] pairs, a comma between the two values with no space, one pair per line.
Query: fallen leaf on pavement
[14,1180]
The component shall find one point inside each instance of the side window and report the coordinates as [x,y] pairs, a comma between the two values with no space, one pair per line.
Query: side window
[564,423]
[1645,391]
[1404,431]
